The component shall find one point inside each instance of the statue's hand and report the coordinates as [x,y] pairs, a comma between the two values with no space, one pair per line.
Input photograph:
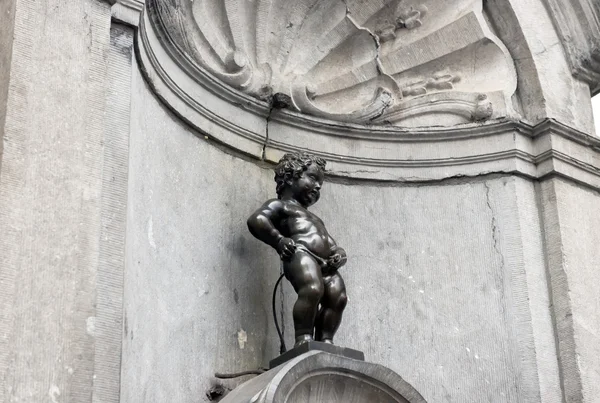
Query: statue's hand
[286,248]
[337,260]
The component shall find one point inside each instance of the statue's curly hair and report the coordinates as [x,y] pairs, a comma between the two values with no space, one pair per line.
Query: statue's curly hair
[291,166]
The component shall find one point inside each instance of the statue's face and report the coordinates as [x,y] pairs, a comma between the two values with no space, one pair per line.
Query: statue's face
[307,188]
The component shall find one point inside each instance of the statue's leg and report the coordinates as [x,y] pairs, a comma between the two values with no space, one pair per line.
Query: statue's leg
[304,274]
[332,306]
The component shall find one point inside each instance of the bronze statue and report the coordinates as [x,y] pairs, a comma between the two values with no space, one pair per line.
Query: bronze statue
[311,258]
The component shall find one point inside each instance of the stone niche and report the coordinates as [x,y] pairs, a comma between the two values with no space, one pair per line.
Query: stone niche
[379,62]
[448,127]
[464,182]
[392,90]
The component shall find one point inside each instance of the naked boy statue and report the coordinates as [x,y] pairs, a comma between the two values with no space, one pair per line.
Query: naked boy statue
[311,258]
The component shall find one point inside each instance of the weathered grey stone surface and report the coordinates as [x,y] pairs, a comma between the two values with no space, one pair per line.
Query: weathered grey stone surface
[7,22]
[572,227]
[547,88]
[189,59]
[111,254]
[322,377]
[127,11]
[377,62]
[489,280]
[461,310]
[460,265]
[578,25]
[197,285]
[51,200]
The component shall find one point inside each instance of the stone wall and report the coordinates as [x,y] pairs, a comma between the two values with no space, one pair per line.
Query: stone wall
[50,200]
[572,222]
[7,22]
[197,285]
[446,281]
[127,273]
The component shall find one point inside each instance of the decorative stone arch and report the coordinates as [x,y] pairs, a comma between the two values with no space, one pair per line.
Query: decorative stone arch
[397,92]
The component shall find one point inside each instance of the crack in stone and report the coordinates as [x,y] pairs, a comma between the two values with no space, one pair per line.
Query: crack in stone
[364,171]
[375,39]
[378,63]
[494,223]
[380,113]
[264,147]
[372,34]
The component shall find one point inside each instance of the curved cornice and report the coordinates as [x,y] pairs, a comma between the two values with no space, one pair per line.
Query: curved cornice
[372,152]
[386,63]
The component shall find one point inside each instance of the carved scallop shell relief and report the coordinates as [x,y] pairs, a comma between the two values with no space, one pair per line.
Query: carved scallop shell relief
[400,62]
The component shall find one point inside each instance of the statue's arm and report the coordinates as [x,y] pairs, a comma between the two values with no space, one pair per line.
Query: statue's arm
[333,245]
[261,223]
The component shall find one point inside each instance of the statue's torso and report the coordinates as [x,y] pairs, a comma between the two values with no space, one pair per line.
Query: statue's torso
[307,229]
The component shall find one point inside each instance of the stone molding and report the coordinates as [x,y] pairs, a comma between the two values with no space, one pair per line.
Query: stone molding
[132,4]
[381,152]
[127,11]
[321,377]
[385,62]
[578,25]
[385,153]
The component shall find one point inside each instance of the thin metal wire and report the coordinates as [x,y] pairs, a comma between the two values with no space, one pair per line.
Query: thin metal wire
[282,347]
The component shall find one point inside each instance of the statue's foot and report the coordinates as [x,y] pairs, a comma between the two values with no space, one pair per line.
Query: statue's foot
[300,340]
[328,341]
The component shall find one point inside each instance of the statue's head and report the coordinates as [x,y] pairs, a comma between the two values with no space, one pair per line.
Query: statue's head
[300,176]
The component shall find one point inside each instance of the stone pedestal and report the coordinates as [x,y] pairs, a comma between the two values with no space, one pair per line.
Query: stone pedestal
[316,346]
[317,376]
